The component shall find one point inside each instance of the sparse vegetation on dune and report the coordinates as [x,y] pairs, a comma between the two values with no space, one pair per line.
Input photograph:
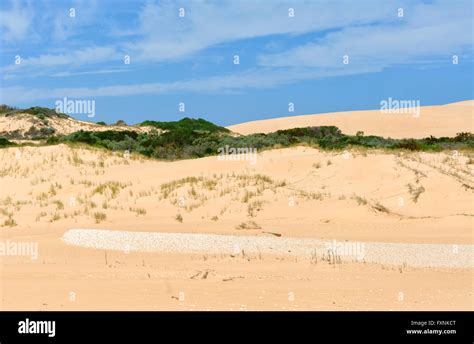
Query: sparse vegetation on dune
[109,189]
[245,188]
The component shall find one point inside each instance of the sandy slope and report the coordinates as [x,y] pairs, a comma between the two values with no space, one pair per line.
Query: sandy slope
[390,197]
[295,192]
[444,120]
[20,126]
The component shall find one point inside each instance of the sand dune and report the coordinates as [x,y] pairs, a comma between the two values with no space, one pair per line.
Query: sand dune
[301,191]
[291,195]
[444,120]
[24,126]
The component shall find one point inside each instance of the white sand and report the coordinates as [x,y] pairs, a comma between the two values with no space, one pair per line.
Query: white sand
[415,255]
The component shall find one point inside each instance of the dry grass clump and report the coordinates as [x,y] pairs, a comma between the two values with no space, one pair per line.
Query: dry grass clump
[59,204]
[138,211]
[99,217]
[43,196]
[248,225]
[109,189]
[168,188]
[415,192]
[360,200]
[9,222]
[312,195]
[55,217]
[254,207]
[198,190]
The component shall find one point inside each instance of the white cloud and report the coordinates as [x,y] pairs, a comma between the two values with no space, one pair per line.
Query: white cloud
[252,79]
[74,58]
[15,23]
[65,26]
[165,35]
[90,72]
[427,32]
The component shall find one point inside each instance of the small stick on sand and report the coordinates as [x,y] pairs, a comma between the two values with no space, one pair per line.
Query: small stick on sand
[231,278]
[196,275]
[272,233]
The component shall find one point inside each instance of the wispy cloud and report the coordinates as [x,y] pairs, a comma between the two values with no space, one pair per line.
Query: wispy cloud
[74,58]
[251,79]
[162,35]
[15,23]
[425,34]
[90,72]
[165,35]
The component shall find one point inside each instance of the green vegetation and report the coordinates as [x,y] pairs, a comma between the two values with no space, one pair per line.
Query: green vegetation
[195,138]
[187,138]
[182,140]
[187,124]
[6,108]
[40,112]
[5,143]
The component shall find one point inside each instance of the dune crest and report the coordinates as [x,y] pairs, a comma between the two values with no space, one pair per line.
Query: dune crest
[442,120]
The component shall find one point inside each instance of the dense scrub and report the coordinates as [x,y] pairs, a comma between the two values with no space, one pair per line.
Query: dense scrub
[187,126]
[38,111]
[194,138]
[5,143]
[198,138]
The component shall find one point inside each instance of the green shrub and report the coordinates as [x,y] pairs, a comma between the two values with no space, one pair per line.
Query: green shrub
[182,140]
[5,143]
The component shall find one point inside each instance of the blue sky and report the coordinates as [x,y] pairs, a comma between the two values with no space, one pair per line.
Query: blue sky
[190,59]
